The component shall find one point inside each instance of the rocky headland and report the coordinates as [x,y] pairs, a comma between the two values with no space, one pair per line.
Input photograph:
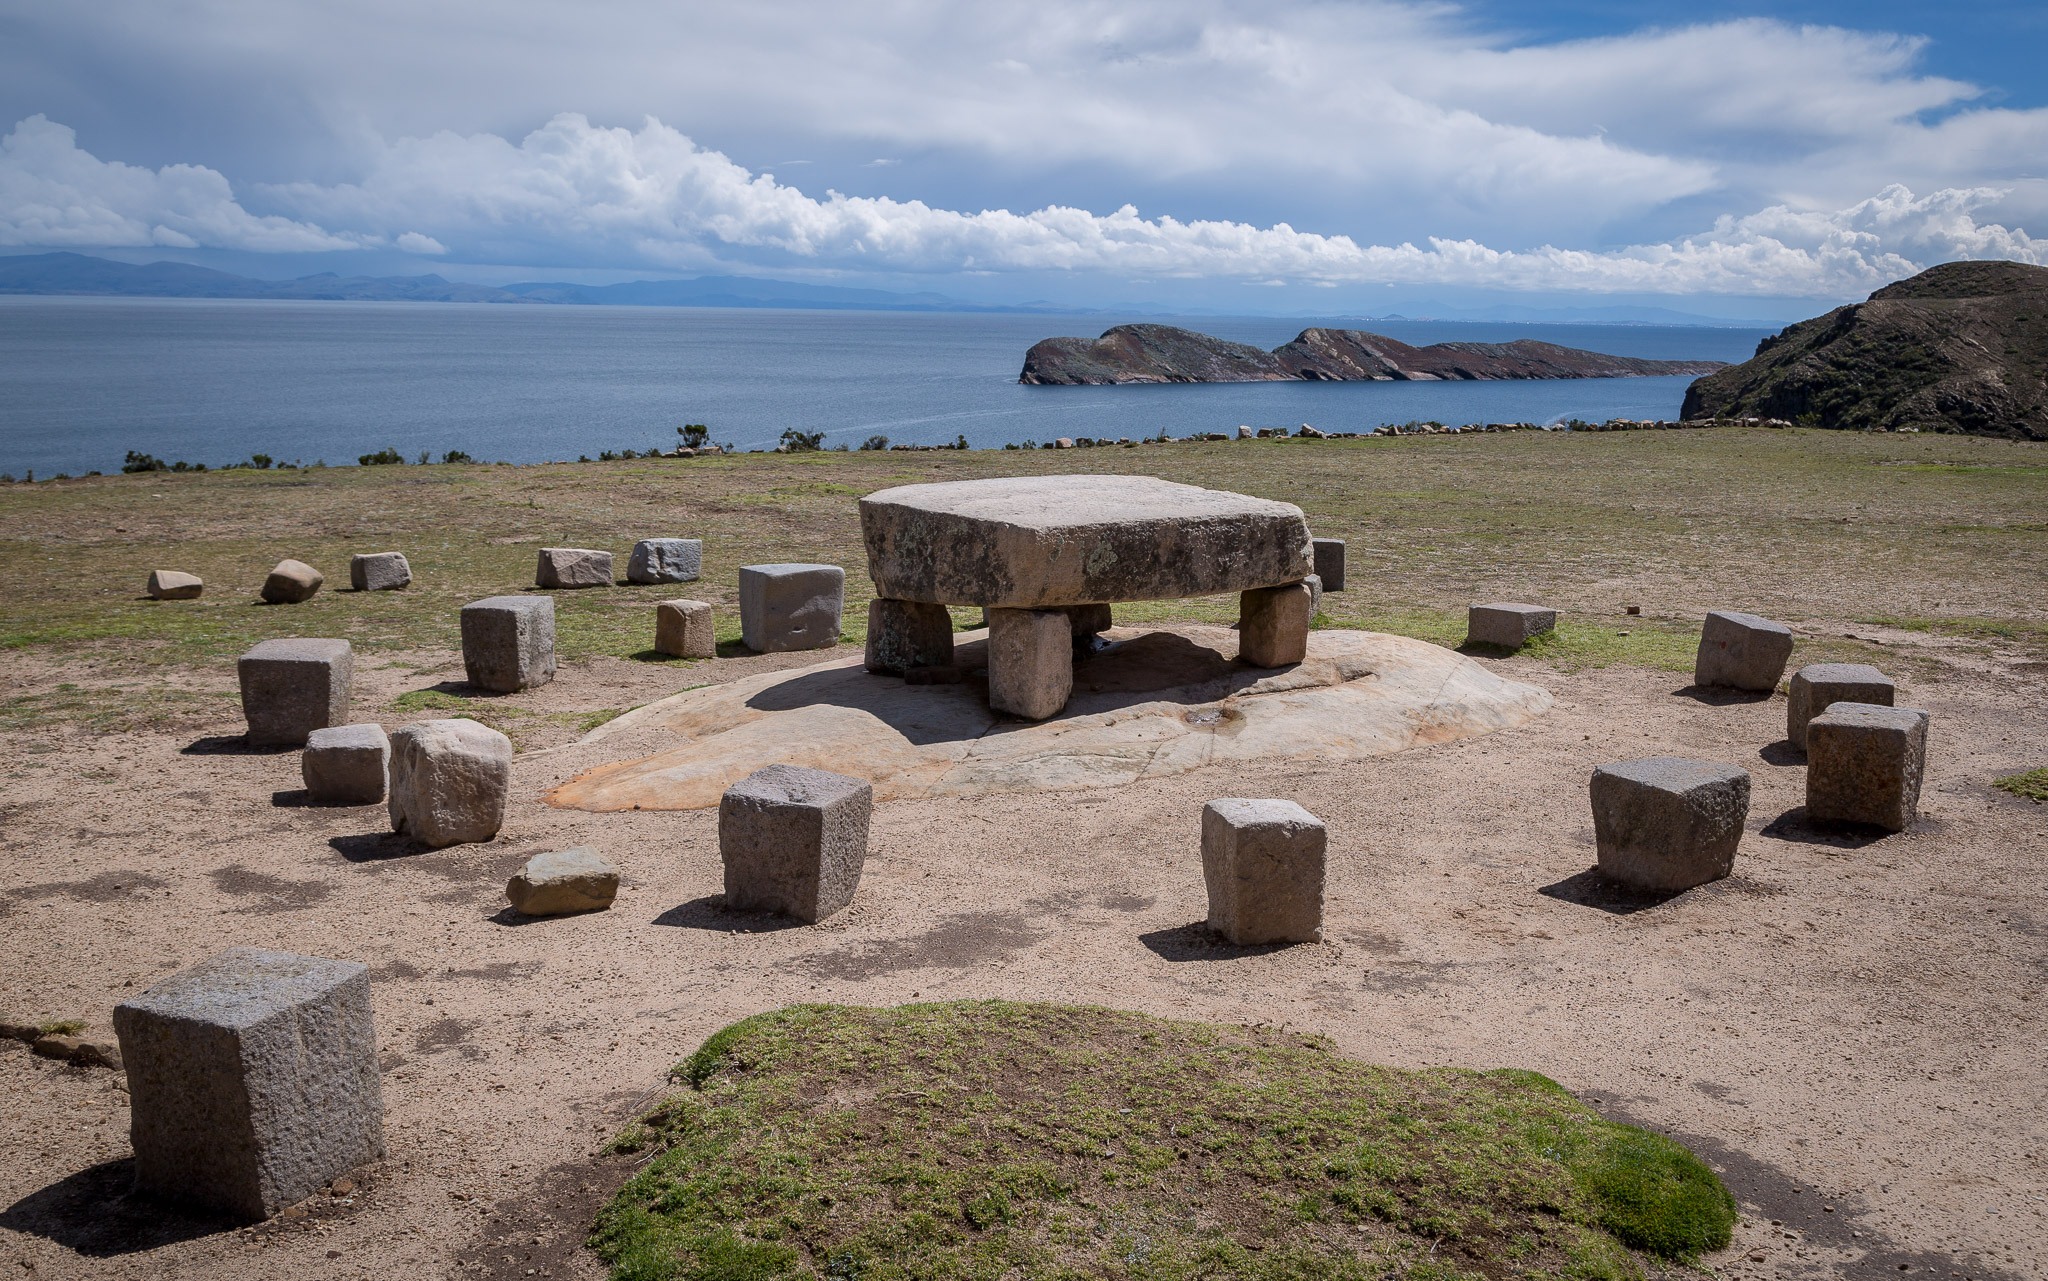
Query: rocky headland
[1962,347]
[1167,354]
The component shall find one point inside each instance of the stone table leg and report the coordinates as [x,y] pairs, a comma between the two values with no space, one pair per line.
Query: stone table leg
[1030,661]
[903,634]
[1272,625]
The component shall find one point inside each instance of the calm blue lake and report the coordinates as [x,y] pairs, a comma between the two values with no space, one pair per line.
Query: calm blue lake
[84,380]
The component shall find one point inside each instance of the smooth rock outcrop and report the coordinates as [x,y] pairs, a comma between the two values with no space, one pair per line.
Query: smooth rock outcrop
[794,840]
[1742,651]
[572,567]
[1262,861]
[683,629]
[379,572]
[788,607]
[252,1079]
[1507,625]
[449,781]
[346,764]
[1818,686]
[172,584]
[508,642]
[563,883]
[1668,823]
[1864,764]
[1031,542]
[903,634]
[291,582]
[666,560]
[292,687]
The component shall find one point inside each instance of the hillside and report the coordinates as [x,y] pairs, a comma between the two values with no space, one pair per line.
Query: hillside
[1962,347]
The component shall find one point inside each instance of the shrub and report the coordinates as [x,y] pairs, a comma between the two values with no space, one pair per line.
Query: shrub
[695,435]
[383,458]
[144,462]
[801,442]
[875,442]
[456,456]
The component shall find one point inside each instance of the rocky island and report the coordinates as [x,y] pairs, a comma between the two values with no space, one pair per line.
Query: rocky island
[1167,354]
[1962,347]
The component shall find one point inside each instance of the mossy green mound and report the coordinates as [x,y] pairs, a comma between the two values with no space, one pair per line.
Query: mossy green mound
[994,1139]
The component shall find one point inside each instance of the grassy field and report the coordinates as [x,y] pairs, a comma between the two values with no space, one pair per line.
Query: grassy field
[992,1139]
[1943,535]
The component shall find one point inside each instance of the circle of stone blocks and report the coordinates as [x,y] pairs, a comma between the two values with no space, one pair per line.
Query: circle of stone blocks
[1818,686]
[172,584]
[508,642]
[1741,651]
[1272,624]
[346,764]
[291,582]
[1506,624]
[292,687]
[1864,764]
[563,883]
[790,606]
[1329,558]
[449,781]
[379,571]
[907,634]
[1263,864]
[1668,822]
[683,629]
[666,560]
[794,840]
[1030,661]
[572,567]
[252,1079]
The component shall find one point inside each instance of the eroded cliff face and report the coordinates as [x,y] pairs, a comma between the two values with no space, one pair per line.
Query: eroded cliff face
[1166,354]
[1962,347]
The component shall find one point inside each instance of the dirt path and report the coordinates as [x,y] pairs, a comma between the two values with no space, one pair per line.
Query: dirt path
[1853,1032]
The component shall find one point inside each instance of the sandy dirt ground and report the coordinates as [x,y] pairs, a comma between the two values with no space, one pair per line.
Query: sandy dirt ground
[1851,1029]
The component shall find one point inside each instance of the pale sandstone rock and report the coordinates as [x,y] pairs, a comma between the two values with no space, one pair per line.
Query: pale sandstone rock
[571,567]
[171,584]
[794,840]
[683,628]
[449,781]
[508,642]
[1507,625]
[562,883]
[1864,764]
[1741,651]
[379,571]
[904,634]
[292,687]
[1272,625]
[788,607]
[291,582]
[1039,541]
[1030,661]
[252,1080]
[346,764]
[1262,861]
[1817,686]
[1668,822]
[666,560]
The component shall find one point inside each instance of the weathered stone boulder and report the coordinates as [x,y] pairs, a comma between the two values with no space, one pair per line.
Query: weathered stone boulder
[1741,651]
[1864,763]
[171,584]
[379,571]
[1818,686]
[794,840]
[1507,625]
[508,642]
[1262,861]
[1668,822]
[291,582]
[292,687]
[252,1079]
[791,606]
[346,764]
[570,567]
[665,560]
[683,628]
[449,781]
[1031,542]
[562,883]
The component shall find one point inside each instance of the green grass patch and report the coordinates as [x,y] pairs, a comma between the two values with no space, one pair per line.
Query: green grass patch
[61,1027]
[993,1139]
[2032,785]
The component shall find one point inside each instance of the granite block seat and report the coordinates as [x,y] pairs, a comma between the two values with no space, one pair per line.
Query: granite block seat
[787,607]
[1329,559]
[292,687]
[1506,624]
[174,584]
[252,1079]
[1818,686]
[450,780]
[563,883]
[1741,651]
[1262,862]
[346,764]
[666,560]
[1044,543]
[1864,764]
[794,840]
[1668,823]
[683,629]
[379,571]
[290,583]
[508,642]
[572,567]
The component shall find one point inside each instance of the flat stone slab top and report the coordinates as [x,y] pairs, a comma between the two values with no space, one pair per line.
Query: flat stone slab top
[1029,542]
[1152,703]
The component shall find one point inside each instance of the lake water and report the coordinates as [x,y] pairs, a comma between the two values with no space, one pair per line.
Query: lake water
[84,380]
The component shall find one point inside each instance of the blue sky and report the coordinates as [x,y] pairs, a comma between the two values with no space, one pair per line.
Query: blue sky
[1327,157]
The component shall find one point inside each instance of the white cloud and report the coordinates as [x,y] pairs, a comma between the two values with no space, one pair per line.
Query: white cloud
[413,242]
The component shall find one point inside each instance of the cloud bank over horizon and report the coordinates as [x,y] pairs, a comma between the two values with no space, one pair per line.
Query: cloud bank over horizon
[1338,144]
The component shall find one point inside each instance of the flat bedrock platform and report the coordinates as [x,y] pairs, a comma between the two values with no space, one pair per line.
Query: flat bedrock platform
[1032,541]
[1152,703]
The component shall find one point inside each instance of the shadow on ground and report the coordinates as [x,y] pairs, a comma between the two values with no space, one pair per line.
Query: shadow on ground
[1797,825]
[375,847]
[1722,696]
[711,913]
[1195,941]
[233,745]
[1590,889]
[96,1213]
